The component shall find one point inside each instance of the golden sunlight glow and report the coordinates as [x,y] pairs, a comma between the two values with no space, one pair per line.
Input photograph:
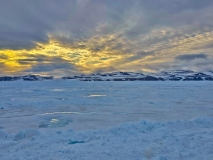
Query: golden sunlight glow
[86,59]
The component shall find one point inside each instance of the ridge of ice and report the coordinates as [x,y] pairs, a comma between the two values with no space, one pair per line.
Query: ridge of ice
[188,139]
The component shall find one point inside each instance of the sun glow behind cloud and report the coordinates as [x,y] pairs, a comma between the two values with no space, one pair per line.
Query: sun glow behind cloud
[82,56]
[104,53]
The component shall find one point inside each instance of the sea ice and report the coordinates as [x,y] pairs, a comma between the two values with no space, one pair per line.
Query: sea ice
[37,122]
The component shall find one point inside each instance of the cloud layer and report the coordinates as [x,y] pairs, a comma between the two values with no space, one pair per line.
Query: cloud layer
[190,57]
[85,36]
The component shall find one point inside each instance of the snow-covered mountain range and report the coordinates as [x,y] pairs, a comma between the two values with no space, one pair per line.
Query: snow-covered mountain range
[177,75]
[174,75]
[26,78]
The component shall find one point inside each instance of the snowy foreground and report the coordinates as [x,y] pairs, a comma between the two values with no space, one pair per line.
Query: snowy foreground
[63,120]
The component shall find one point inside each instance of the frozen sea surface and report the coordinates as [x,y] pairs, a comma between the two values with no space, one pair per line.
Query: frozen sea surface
[106,120]
[95,105]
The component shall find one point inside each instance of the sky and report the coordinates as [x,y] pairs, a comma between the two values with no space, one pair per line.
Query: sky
[69,37]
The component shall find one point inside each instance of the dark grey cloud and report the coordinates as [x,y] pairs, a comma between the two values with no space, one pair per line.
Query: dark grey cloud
[163,67]
[175,6]
[24,22]
[190,57]
[38,58]
[199,66]
[49,65]
[188,15]
[204,66]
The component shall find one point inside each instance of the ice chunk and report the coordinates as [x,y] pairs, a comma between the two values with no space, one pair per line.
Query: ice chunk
[29,133]
[149,152]
[59,132]
[19,136]
[3,134]
[162,158]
